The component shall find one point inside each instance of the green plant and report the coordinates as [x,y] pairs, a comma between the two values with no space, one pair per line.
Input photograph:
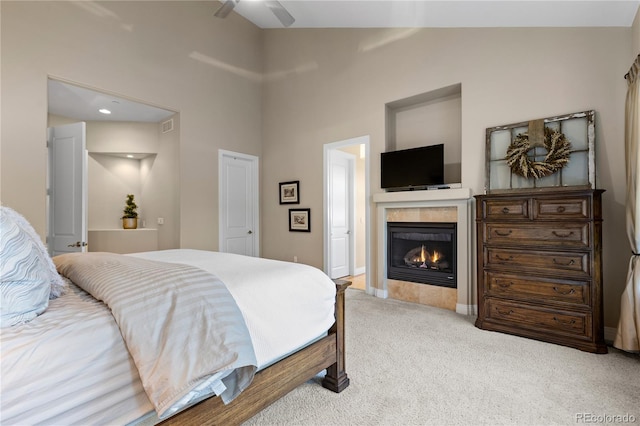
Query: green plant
[130,209]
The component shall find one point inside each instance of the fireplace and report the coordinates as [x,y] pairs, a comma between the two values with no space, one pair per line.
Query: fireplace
[422,252]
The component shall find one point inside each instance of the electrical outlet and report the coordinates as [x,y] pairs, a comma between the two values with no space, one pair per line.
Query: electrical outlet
[161,221]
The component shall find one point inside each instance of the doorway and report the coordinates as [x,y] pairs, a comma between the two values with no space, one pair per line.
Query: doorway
[354,238]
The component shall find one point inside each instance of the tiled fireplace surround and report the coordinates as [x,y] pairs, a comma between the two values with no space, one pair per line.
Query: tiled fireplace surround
[439,205]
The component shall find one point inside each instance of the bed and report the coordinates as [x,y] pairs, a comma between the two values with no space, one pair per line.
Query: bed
[87,349]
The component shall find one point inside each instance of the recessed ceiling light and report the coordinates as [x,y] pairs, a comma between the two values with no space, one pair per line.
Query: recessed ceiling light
[129,156]
[104,111]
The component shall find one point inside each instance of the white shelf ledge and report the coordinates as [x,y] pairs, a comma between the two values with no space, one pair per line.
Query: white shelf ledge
[450,194]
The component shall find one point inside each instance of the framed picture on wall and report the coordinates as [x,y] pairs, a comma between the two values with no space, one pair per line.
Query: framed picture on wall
[564,155]
[290,192]
[300,220]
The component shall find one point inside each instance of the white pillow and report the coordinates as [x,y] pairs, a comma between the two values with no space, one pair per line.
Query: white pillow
[28,278]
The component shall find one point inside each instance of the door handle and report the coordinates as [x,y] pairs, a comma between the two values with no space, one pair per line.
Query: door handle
[250,232]
[78,244]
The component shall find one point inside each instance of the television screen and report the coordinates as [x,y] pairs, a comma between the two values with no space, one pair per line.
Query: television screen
[415,168]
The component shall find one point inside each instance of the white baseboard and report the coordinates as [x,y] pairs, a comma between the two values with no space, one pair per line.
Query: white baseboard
[360,271]
[382,294]
[466,309]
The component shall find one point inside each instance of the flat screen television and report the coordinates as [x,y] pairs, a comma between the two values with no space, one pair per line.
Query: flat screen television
[415,168]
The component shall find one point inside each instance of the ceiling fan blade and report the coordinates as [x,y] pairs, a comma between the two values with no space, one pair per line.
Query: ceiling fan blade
[225,9]
[280,12]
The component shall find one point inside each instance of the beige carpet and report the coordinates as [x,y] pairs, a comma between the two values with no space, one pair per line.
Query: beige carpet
[412,364]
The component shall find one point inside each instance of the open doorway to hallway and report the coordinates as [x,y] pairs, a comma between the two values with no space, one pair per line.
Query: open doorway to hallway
[346,210]
[358,282]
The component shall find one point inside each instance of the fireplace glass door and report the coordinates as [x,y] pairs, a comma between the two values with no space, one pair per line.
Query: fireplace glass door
[422,252]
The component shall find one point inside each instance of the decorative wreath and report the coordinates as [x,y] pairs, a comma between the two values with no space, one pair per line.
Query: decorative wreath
[558,150]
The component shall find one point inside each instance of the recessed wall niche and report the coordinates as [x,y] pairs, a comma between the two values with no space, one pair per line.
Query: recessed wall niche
[427,119]
[151,134]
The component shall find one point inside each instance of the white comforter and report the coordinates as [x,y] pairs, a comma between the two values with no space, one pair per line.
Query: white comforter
[285,305]
[181,325]
[70,365]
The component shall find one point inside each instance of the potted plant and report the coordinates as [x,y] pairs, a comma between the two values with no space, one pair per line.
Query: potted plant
[130,217]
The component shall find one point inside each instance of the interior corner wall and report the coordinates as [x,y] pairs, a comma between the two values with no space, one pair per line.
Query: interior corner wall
[326,85]
[635,44]
[172,54]
[160,188]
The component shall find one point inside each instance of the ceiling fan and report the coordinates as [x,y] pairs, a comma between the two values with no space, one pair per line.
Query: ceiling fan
[278,9]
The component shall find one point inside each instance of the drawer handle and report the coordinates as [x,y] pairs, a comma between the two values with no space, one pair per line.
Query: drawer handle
[560,235]
[571,262]
[504,284]
[561,209]
[503,234]
[505,313]
[505,210]
[557,290]
[504,259]
[564,323]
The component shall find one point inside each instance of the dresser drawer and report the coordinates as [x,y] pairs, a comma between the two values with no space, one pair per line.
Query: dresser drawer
[561,208]
[555,262]
[506,209]
[575,235]
[539,318]
[537,289]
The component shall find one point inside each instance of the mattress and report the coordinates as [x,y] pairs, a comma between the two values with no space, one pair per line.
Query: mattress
[70,364]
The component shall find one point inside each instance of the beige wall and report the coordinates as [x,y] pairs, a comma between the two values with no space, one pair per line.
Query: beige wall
[161,187]
[110,179]
[175,55]
[434,122]
[122,137]
[333,85]
[635,43]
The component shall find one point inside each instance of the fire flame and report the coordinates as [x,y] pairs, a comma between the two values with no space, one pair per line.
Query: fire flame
[426,256]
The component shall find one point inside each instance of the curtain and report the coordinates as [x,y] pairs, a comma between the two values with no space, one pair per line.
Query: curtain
[628,334]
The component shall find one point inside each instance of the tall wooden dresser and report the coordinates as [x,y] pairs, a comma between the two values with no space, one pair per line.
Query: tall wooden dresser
[539,266]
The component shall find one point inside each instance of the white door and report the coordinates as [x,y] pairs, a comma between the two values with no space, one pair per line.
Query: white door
[238,203]
[67,216]
[340,206]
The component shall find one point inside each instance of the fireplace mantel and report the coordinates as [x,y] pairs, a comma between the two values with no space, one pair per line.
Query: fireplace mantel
[435,195]
[460,198]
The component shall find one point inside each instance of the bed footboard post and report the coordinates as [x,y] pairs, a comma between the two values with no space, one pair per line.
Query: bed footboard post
[336,378]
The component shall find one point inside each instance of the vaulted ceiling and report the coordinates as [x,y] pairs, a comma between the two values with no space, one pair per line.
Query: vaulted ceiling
[438,13]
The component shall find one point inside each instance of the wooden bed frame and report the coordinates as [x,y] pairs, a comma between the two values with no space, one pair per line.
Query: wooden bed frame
[274,382]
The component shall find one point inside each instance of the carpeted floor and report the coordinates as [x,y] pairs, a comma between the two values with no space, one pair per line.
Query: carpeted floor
[412,364]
